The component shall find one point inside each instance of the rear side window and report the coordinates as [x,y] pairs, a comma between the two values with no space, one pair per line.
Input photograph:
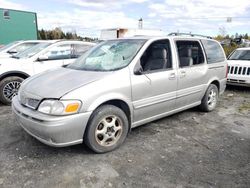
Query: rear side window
[190,53]
[213,51]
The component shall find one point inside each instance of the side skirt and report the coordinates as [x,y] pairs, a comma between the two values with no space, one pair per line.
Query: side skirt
[159,116]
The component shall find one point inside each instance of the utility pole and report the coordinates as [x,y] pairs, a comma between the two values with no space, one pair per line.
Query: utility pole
[140,23]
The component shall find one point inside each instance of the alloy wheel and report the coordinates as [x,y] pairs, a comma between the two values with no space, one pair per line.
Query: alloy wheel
[108,131]
[212,98]
[10,90]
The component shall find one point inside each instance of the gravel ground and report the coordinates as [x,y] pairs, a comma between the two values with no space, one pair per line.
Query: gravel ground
[188,149]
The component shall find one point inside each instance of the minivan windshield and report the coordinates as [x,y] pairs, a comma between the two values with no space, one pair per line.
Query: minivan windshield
[109,55]
[240,55]
[32,51]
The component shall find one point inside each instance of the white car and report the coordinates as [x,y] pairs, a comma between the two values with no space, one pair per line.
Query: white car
[16,47]
[239,67]
[39,58]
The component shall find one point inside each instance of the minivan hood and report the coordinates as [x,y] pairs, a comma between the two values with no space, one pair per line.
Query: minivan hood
[60,81]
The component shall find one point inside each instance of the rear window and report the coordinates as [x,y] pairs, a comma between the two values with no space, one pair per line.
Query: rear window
[213,51]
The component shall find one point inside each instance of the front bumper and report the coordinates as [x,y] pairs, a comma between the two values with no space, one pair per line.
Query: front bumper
[57,131]
[242,79]
[238,82]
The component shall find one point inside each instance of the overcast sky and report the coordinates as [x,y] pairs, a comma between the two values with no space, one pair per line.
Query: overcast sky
[87,17]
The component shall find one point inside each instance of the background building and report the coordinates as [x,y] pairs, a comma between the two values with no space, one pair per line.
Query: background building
[17,25]
[125,32]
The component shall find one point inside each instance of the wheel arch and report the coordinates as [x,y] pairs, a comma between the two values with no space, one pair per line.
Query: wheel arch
[14,73]
[120,103]
[216,82]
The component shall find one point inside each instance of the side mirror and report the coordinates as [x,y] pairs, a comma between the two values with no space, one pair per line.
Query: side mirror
[12,52]
[42,58]
[138,70]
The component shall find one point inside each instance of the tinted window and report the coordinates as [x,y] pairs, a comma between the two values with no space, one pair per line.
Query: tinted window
[157,56]
[190,53]
[213,51]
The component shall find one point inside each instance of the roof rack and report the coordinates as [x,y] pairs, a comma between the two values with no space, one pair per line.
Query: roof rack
[189,34]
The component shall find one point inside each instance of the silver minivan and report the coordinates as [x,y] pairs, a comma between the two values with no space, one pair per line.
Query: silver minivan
[118,85]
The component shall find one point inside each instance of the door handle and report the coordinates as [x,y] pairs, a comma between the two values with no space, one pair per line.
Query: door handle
[182,74]
[171,76]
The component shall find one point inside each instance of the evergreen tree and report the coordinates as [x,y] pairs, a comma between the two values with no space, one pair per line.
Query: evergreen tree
[57,33]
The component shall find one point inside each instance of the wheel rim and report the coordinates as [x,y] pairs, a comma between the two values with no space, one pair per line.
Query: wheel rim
[109,131]
[212,98]
[10,90]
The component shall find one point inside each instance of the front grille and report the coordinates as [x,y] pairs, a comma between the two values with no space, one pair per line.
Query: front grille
[32,103]
[239,70]
[28,100]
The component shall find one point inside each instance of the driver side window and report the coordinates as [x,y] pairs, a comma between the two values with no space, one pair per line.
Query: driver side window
[157,57]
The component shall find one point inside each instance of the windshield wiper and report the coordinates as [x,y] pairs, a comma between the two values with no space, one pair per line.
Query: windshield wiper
[16,57]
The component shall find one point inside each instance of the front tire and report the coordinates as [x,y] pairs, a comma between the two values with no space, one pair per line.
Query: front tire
[107,129]
[210,99]
[9,88]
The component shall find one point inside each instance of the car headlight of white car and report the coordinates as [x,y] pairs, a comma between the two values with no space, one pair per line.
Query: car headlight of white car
[60,107]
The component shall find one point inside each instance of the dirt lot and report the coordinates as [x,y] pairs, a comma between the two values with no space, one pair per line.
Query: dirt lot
[189,149]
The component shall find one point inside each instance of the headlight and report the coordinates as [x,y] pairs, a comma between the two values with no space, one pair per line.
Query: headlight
[56,107]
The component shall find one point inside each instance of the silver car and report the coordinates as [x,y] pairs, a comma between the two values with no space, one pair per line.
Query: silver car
[118,85]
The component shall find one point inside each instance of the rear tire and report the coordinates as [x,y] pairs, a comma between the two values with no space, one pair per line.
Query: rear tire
[107,129]
[9,88]
[210,99]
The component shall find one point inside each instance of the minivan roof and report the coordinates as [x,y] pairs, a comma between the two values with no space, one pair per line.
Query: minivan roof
[164,37]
